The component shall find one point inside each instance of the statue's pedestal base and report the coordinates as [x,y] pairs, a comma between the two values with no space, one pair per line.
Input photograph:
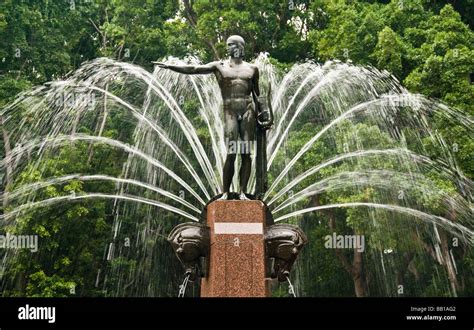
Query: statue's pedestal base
[237,253]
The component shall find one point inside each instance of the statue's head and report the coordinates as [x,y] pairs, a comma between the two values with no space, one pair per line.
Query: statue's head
[235,46]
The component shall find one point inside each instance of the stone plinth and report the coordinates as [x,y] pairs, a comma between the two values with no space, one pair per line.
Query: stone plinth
[237,256]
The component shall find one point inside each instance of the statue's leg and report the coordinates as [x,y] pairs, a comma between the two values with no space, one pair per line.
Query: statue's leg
[231,134]
[247,134]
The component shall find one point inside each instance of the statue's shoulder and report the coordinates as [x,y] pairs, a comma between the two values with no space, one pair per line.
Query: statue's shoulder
[217,65]
[254,67]
[251,65]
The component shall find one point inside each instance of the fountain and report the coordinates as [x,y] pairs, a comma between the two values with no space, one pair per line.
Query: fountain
[172,169]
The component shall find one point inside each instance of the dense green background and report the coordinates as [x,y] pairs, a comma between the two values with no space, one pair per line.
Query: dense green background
[426,44]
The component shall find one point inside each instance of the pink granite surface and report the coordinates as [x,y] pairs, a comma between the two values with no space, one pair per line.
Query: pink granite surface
[237,261]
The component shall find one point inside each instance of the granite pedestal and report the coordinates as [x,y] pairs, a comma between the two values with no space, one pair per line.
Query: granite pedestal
[237,251]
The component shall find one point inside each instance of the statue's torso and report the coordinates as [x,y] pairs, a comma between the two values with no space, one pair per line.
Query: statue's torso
[235,81]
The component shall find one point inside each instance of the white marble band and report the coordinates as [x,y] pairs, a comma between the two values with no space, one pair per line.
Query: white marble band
[238,228]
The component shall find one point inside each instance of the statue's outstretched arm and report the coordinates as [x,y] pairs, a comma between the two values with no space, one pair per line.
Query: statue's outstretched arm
[189,69]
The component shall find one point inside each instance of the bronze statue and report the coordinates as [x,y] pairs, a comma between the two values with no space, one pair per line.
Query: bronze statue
[239,85]
[247,116]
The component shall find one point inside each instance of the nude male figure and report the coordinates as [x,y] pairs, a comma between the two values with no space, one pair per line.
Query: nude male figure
[238,82]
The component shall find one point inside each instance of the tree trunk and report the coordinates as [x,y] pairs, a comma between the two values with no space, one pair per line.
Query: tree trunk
[21,284]
[448,262]
[191,17]
[358,275]
[356,269]
[403,268]
[360,287]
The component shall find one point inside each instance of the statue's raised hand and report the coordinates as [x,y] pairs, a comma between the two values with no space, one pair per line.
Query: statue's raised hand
[265,115]
[265,119]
